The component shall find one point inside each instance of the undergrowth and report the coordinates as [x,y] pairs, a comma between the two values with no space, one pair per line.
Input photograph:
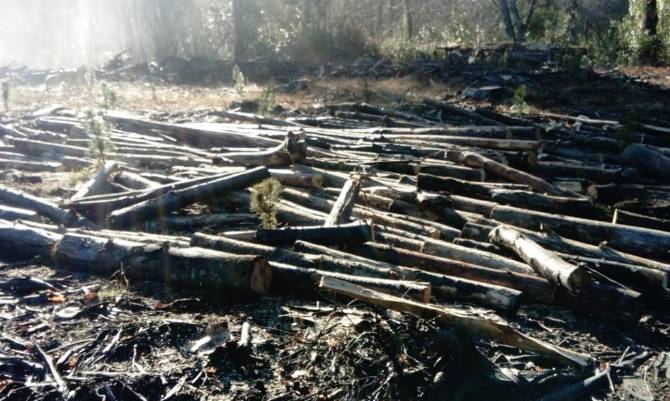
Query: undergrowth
[264,198]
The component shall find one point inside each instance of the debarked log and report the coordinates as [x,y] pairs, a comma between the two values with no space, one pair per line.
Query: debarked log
[548,264]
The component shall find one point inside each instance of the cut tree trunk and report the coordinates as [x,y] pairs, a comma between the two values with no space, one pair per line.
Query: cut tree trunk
[175,200]
[15,213]
[639,220]
[97,184]
[245,275]
[42,206]
[638,241]
[476,160]
[455,319]
[19,241]
[293,280]
[344,205]
[534,288]
[352,233]
[546,263]
[292,150]
[648,159]
[134,181]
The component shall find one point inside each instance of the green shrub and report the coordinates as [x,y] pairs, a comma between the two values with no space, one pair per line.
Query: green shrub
[6,89]
[110,98]
[98,131]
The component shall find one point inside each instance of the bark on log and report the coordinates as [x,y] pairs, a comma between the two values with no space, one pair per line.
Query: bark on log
[42,206]
[648,159]
[633,219]
[292,150]
[38,148]
[352,233]
[180,198]
[455,319]
[548,264]
[32,166]
[580,207]
[202,221]
[14,213]
[98,182]
[533,288]
[19,241]
[102,256]
[453,171]
[294,280]
[493,296]
[475,160]
[631,270]
[245,275]
[193,136]
[134,181]
[638,241]
[344,205]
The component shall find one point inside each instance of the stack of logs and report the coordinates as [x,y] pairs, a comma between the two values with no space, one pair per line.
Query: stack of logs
[406,208]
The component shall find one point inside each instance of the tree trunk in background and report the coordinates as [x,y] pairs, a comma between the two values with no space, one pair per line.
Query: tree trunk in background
[649,23]
[507,20]
[238,21]
[409,22]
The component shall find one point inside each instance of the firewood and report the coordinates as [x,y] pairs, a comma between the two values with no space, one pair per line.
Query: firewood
[475,326]
[546,263]
[177,199]
[344,205]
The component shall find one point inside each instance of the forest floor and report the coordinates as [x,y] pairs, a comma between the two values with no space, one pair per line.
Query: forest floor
[139,342]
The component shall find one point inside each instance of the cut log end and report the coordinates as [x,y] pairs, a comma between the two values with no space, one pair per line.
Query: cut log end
[261,276]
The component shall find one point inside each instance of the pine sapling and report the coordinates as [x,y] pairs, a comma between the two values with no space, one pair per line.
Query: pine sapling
[264,198]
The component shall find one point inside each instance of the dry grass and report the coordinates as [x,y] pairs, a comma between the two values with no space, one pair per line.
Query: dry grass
[141,96]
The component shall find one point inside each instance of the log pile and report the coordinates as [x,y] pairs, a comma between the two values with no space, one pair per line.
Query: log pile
[437,205]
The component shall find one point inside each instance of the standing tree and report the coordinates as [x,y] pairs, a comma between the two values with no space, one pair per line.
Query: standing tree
[651,45]
[516,25]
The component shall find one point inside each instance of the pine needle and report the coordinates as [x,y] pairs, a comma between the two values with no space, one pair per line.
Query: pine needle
[264,198]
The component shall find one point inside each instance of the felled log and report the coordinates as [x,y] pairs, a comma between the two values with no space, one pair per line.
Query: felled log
[639,220]
[344,205]
[453,171]
[102,256]
[33,166]
[628,269]
[636,240]
[648,159]
[174,200]
[39,148]
[296,280]
[292,150]
[201,221]
[15,213]
[598,174]
[246,275]
[475,160]
[580,207]
[455,319]
[443,286]
[451,251]
[97,183]
[134,181]
[533,288]
[19,241]
[351,233]
[548,264]
[43,207]
[190,135]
